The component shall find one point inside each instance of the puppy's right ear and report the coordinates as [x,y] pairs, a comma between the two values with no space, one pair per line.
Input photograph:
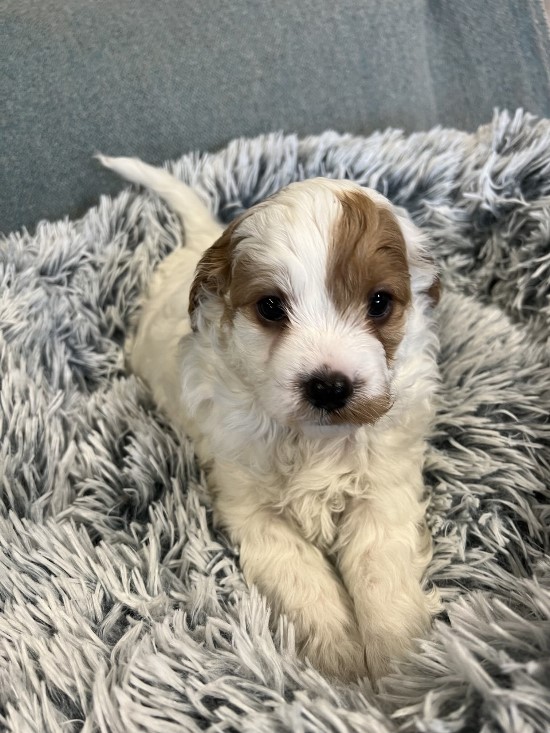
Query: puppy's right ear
[213,273]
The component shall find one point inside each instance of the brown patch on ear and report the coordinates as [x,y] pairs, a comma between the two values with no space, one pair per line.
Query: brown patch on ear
[213,272]
[369,254]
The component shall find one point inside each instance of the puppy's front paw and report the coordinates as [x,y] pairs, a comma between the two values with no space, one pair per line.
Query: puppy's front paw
[337,654]
[379,654]
[389,635]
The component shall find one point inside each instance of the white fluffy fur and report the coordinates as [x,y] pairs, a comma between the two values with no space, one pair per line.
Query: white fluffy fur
[329,520]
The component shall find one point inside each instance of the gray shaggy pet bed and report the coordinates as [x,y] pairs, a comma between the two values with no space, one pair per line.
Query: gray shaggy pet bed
[123,610]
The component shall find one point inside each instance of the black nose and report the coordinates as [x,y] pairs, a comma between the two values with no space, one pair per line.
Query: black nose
[328,391]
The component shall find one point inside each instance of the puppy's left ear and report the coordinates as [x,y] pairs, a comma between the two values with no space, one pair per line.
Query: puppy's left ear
[213,273]
[424,273]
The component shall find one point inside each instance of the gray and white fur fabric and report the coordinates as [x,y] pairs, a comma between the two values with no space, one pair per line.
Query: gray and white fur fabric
[125,609]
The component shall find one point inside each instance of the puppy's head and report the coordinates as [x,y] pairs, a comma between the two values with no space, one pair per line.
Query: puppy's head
[310,294]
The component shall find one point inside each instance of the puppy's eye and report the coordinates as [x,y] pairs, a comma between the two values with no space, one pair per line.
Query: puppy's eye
[271,309]
[380,305]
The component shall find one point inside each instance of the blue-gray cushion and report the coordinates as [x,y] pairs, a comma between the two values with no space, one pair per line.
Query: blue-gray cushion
[154,79]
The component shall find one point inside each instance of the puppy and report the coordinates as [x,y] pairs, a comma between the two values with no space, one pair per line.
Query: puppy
[297,349]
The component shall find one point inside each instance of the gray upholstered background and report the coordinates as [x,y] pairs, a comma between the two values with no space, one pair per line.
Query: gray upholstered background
[156,79]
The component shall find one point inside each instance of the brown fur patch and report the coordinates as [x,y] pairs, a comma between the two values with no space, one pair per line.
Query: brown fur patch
[239,284]
[361,411]
[213,272]
[248,285]
[368,254]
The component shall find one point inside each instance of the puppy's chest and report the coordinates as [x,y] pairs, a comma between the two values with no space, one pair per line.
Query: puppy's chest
[315,503]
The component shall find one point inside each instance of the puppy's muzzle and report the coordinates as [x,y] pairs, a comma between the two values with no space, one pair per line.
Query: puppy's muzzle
[328,390]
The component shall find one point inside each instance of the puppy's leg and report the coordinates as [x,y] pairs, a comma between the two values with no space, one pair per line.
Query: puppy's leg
[298,581]
[383,551]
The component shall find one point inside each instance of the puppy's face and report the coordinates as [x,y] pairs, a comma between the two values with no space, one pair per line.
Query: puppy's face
[311,293]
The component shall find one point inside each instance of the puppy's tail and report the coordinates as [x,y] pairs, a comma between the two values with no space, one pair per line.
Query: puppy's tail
[201,227]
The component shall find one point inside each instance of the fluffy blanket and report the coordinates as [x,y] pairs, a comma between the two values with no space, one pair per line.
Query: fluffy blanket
[123,610]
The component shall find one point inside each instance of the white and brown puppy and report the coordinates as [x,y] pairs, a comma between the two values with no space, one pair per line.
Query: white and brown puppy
[297,350]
